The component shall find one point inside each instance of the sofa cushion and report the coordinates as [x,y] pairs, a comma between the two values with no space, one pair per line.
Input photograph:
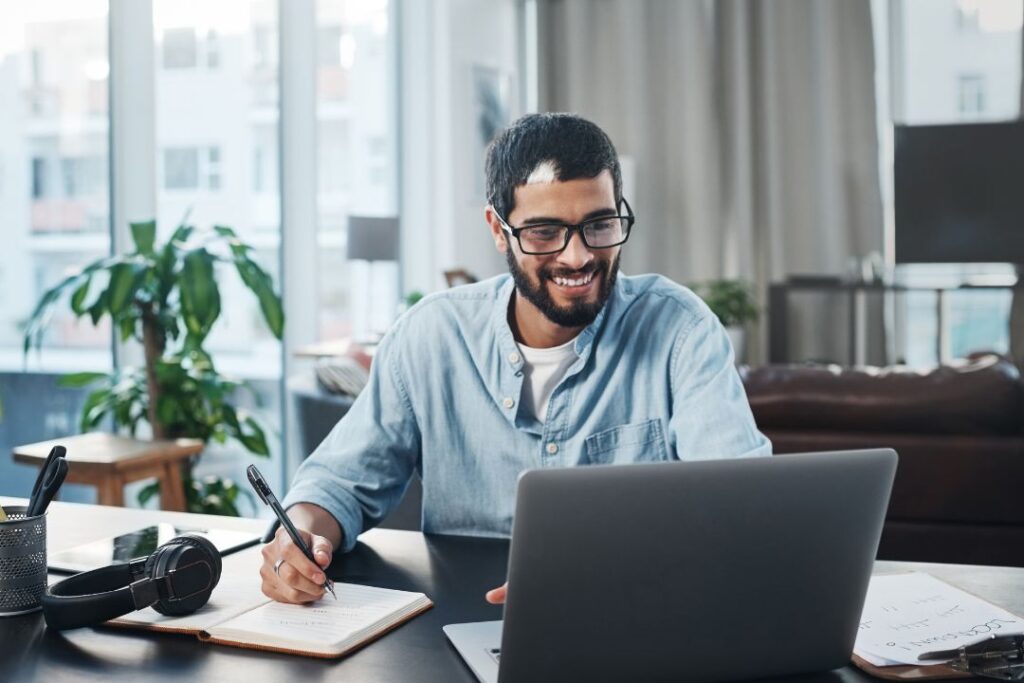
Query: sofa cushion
[982,395]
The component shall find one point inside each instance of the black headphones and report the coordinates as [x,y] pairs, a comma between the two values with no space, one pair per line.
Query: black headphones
[175,580]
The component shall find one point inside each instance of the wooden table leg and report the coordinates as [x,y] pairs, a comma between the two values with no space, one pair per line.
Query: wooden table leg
[110,491]
[172,492]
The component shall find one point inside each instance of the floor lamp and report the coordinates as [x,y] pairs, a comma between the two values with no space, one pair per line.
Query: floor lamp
[373,240]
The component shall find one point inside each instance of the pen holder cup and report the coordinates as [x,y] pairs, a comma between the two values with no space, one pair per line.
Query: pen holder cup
[22,561]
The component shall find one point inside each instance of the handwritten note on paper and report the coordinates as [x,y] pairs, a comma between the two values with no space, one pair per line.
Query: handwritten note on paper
[327,621]
[906,615]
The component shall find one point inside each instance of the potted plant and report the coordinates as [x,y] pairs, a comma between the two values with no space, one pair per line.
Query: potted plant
[166,297]
[733,302]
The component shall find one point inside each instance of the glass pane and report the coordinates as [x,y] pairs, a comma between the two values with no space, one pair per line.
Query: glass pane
[217,135]
[957,60]
[54,212]
[356,134]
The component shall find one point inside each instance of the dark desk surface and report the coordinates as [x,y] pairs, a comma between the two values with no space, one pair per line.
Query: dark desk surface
[454,572]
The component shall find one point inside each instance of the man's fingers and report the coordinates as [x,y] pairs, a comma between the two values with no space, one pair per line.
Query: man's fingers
[295,557]
[276,586]
[498,595]
[322,550]
[293,579]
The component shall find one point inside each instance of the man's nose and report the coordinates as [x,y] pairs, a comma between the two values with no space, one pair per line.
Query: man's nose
[576,254]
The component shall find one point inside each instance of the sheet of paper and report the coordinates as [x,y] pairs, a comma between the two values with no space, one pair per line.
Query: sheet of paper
[233,595]
[906,615]
[327,621]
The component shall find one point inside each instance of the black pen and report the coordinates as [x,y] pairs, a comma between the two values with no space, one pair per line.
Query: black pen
[268,497]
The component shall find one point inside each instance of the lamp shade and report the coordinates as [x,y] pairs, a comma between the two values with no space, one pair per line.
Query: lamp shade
[373,238]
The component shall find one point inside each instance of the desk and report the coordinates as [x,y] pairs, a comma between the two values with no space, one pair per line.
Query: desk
[453,571]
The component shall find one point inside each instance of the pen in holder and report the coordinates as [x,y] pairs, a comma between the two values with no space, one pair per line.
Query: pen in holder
[22,561]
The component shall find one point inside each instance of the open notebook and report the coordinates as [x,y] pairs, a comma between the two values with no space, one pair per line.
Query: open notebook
[239,614]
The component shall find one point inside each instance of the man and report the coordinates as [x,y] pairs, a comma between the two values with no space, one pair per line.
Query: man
[564,363]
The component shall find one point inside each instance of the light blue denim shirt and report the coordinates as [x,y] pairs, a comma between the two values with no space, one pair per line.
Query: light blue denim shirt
[654,380]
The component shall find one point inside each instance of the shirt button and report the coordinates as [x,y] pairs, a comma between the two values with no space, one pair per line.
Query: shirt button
[513,357]
[552,448]
[508,402]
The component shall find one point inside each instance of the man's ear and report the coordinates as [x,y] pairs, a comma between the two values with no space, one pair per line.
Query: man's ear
[497,231]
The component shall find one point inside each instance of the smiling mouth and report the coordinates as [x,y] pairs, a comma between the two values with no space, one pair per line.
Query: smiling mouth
[575,284]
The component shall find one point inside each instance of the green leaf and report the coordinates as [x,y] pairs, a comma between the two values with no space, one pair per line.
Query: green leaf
[144,235]
[256,440]
[147,492]
[200,298]
[43,311]
[76,380]
[127,327]
[99,307]
[257,280]
[122,279]
[78,297]
[97,404]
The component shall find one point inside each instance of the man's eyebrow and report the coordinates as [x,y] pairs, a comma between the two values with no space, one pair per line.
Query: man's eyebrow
[597,213]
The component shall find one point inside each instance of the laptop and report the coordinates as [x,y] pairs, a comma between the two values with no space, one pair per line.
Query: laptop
[714,570]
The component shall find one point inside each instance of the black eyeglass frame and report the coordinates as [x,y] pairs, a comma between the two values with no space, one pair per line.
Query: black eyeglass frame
[629,219]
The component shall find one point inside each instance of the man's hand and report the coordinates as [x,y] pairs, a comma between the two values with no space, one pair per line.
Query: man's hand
[497,596]
[295,579]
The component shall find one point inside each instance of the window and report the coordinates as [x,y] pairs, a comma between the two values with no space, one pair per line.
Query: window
[944,74]
[357,161]
[54,212]
[179,48]
[971,95]
[215,112]
[192,168]
[181,168]
[950,61]
[213,168]
[210,117]
[188,48]
[38,178]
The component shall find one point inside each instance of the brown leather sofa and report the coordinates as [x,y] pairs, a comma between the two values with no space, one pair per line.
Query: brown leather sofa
[959,432]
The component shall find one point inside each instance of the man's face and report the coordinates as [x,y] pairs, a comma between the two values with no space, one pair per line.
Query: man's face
[569,287]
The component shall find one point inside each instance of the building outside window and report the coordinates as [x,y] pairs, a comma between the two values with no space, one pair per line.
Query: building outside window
[971,95]
[952,61]
[54,212]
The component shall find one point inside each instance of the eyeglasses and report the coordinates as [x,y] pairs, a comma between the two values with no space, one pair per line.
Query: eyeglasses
[602,232]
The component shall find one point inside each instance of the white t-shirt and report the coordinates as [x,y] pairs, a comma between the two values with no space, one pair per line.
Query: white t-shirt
[543,370]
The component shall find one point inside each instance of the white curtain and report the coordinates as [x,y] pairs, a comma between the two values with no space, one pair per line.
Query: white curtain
[751,124]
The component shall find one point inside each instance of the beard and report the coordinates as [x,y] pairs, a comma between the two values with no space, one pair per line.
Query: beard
[577,314]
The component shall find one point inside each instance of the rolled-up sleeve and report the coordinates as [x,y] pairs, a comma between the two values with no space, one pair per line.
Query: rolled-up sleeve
[362,469]
[711,416]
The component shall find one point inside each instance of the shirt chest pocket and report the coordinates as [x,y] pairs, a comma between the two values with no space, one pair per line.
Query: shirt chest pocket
[640,442]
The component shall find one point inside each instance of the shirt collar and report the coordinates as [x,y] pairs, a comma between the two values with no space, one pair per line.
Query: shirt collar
[584,342]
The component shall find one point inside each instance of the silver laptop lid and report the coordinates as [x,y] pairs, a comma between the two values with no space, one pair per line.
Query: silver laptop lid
[692,571]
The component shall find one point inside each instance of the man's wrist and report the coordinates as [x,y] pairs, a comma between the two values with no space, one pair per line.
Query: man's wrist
[317,521]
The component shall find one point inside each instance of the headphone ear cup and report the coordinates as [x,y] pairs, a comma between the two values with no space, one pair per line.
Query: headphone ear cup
[180,552]
[208,548]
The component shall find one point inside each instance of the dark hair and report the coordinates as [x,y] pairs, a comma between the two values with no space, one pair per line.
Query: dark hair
[576,147]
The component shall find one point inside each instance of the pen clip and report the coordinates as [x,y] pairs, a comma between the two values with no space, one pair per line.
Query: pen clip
[258,483]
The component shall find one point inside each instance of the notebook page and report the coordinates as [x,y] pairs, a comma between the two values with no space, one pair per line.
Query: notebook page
[234,595]
[906,615]
[324,624]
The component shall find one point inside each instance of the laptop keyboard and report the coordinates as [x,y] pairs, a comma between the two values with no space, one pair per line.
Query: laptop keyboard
[495,653]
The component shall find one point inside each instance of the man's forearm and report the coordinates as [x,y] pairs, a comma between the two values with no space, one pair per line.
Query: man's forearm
[318,521]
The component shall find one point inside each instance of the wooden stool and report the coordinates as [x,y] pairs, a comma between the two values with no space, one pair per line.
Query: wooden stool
[108,462]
